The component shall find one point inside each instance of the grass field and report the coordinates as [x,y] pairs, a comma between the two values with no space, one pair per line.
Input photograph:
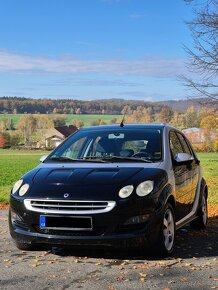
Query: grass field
[14,163]
[70,118]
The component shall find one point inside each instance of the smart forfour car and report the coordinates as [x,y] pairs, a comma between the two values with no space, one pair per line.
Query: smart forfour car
[120,186]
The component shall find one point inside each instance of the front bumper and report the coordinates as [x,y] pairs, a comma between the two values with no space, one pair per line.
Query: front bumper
[109,229]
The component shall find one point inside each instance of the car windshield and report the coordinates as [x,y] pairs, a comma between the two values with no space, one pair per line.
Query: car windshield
[111,145]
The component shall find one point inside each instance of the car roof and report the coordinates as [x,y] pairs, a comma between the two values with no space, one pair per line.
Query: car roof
[127,126]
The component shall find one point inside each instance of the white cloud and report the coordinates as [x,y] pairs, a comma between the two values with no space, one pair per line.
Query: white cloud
[90,82]
[147,67]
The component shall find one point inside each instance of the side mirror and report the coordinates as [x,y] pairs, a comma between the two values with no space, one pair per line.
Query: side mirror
[42,158]
[183,157]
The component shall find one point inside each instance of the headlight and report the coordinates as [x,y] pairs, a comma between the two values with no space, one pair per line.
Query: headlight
[17,185]
[23,189]
[126,191]
[145,188]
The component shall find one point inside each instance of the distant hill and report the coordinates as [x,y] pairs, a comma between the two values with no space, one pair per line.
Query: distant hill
[17,105]
[176,105]
[182,105]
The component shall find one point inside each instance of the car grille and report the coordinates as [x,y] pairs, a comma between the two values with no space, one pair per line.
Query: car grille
[69,206]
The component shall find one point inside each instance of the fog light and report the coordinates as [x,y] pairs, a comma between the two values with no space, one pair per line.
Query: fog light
[15,217]
[139,219]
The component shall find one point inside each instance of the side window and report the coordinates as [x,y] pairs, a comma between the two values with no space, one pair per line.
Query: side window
[175,144]
[184,144]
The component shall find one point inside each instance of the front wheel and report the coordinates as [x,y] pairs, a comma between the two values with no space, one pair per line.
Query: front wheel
[166,239]
[200,222]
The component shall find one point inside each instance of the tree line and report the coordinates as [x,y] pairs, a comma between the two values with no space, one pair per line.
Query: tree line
[31,128]
[17,105]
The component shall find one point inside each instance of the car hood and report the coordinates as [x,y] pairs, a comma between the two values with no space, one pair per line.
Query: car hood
[87,182]
[85,176]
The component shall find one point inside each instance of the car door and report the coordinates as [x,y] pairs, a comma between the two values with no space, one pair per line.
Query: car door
[194,166]
[183,178]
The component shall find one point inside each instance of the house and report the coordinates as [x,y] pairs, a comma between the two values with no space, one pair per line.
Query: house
[51,138]
[66,130]
[55,136]
[200,135]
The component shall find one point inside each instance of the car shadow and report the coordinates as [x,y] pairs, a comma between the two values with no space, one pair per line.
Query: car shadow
[189,243]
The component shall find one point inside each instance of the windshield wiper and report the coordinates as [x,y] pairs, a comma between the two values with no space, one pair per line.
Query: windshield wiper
[118,158]
[121,158]
[68,159]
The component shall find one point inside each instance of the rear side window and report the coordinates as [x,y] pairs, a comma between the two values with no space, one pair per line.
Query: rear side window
[184,144]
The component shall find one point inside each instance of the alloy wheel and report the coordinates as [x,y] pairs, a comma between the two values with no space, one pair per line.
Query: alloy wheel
[168,229]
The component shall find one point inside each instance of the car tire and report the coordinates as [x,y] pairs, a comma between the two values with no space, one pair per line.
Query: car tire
[166,238]
[200,222]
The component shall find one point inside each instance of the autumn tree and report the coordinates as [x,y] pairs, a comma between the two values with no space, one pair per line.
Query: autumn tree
[78,111]
[203,57]
[178,120]
[2,141]
[192,118]
[209,122]
[59,121]
[164,116]
[27,125]
[78,123]
[44,122]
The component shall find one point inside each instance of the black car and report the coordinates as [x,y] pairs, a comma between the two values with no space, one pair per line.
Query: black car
[120,186]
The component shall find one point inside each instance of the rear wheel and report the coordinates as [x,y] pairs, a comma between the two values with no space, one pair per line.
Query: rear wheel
[200,222]
[165,243]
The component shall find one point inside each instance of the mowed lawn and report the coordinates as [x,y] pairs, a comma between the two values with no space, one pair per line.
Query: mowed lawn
[14,163]
[70,118]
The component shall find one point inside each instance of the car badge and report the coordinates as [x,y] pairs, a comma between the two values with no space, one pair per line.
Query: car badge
[66,195]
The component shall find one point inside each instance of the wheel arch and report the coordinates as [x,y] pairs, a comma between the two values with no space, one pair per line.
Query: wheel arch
[204,189]
[167,196]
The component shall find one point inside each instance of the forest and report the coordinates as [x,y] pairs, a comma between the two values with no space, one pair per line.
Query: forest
[17,105]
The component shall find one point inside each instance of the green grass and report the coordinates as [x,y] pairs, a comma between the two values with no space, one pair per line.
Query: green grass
[14,163]
[70,118]
[209,163]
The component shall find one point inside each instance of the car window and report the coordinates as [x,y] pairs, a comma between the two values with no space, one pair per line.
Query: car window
[74,150]
[184,144]
[146,143]
[135,145]
[175,145]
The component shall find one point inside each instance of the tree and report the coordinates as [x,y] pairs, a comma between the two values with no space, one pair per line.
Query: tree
[78,111]
[2,141]
[164,116]
[59,121]
[209,122]
[178,120]
[203,58]
[192,118]
[78,123]
[27,125]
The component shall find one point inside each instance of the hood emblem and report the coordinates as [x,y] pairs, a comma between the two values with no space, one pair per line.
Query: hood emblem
[66,195]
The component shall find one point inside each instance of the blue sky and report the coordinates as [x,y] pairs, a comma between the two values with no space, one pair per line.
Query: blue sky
[91,49]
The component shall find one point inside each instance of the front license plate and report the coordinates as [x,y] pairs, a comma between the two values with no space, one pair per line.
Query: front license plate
[75,223]
[42,222]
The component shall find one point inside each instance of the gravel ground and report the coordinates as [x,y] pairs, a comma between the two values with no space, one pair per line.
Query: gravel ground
[194,265]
